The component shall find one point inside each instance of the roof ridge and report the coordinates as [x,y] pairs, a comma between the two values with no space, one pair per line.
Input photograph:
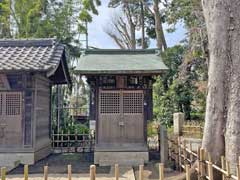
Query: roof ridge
[28,42]
[121,51]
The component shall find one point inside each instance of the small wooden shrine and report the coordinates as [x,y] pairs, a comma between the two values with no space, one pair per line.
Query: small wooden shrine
[28,69]
[120,101]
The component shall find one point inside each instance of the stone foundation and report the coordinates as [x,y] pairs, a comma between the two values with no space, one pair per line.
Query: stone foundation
[11,160]
[121,158]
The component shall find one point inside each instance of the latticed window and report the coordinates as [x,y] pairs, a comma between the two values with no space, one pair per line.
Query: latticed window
[110,102]
[13,104]
[129,102]
[133,102]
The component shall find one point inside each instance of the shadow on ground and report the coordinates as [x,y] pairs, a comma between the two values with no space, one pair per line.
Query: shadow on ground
[57,164]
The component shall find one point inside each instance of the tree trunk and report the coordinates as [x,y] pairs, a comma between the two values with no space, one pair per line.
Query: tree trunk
[222,123]
[161,42]
[143,26]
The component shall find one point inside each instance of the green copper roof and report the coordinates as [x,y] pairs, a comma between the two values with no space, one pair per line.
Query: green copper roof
[120,62]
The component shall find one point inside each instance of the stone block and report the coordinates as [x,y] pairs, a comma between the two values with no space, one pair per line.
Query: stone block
[178,121]
[121,158]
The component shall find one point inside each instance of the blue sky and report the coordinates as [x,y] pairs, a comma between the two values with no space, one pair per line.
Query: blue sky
[98,38]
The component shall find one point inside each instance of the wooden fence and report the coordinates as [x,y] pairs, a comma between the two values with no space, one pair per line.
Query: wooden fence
[73,142]
[192,129]
[185,157]
[92,172]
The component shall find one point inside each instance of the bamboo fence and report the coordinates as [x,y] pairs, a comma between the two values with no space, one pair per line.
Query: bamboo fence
[73,142]
[185,157]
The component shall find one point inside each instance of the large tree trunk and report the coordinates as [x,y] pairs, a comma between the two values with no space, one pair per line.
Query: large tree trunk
[161,42]
[222,126]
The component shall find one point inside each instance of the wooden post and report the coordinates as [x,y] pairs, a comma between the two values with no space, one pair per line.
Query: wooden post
[163,144]
[25,172]
[191,156]
[238,169]
[45,172]
[3,173]
[76,139]
[116,172]
[202,153]
[199,163]
[179,154]
[209,157]
[141,172]
[210,171]
[68,143]
[238,172]
[161,171]
[177,160]
[184,154]
[53,139]
[223,166]
[69,172]
[187,168]
[228,169]
[62,140]
[92,172]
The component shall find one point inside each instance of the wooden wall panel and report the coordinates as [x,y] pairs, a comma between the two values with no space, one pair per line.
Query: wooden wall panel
[42,112]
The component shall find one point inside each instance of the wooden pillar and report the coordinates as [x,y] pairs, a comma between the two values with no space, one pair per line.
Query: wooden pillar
[187,167]
[3,173]
[69,172]
[161,171]
[141,169]
[116,172]
[92,172]
[45,172]
[163,145]
[25,172]
[223,166]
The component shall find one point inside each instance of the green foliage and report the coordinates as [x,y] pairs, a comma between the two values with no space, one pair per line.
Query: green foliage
[152,129]
[171,94]
[5,13]
[183,88]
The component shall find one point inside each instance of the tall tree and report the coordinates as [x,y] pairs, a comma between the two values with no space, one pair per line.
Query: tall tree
[5,19]
[161,41]
[123,28]
[222,126]
[156,18]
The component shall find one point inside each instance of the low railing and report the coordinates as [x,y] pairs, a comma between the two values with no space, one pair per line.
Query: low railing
[192,129]
[74,111]
[73,142]
[185,157]
[154,143]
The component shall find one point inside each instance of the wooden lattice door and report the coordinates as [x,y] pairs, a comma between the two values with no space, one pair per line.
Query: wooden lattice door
[10,119]
[121,116]
[133,113]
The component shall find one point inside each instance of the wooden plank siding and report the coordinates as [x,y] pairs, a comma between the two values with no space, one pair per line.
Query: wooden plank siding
[42,112]
[22,82]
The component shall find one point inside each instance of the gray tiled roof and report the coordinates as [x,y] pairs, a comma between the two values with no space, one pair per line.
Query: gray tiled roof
[117,61]
[30,55]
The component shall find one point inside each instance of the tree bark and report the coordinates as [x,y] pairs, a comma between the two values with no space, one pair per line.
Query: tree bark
[161,42]
[222,122]
[143,26]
